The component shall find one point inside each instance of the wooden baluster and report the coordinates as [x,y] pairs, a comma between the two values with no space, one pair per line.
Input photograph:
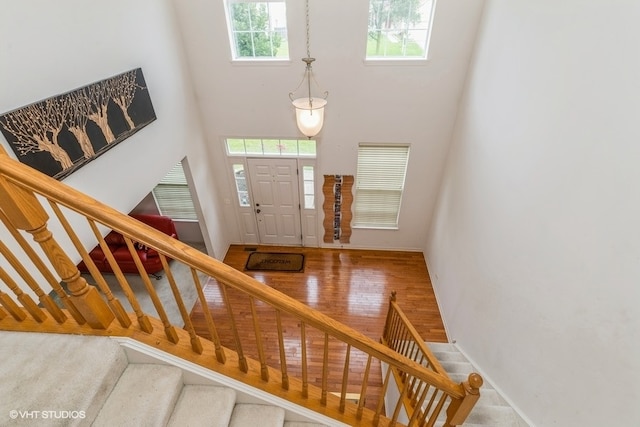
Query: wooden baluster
[196,345]
[432,399]
[113,302]
[399,334]
[242,361]
[393,325]
[264,370]
[26,300]
[406,341]
[14,309]
[25,212]
[411,354]
[44,270]
[363,391]
[408,351]
[283,357]
[345,379]
[396,411]
[2,314]
[459,409]
[418,413]
[396,328]
[169,329]
[413,351]
[303,345]
[143,320]
[325,369]
[383,392]
[414,388]
[402,350]
[434,415]
[211,327]
[46,301]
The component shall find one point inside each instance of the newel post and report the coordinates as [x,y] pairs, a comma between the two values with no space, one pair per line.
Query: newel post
[26,213]
[459,410]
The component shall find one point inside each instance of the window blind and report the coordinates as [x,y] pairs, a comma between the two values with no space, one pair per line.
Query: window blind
[173,197]
[379,184]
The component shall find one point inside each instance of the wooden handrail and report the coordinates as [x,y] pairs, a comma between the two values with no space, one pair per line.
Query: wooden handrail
[25,180]
[414,346]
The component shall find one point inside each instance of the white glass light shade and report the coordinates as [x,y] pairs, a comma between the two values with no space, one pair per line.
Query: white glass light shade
[309,116]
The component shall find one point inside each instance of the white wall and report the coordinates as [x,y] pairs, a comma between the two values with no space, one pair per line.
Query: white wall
[413,104]
[534,247]
[48,48]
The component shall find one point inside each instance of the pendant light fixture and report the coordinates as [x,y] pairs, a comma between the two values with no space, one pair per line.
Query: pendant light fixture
[309,109]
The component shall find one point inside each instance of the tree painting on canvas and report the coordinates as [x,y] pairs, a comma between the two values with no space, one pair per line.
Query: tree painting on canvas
[61,134]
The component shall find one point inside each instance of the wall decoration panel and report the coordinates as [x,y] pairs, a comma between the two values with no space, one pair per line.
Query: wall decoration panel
[328,206]
[63,133]
[337,208]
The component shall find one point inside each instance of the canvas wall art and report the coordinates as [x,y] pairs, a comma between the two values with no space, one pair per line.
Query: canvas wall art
[63,133]
[338,199]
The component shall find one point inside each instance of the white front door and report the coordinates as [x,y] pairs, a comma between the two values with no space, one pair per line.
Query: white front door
[276,200]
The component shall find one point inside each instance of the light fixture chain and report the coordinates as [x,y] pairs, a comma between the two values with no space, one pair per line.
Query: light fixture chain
[307,16]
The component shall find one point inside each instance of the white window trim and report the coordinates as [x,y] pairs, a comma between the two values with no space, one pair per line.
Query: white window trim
[405,60]
[368,221]
[231,39]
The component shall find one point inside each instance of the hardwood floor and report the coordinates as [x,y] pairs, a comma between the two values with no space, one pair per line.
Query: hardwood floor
[351,286]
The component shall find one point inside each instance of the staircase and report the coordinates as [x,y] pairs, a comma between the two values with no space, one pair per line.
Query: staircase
[71,380]
[491,409]
[77,381]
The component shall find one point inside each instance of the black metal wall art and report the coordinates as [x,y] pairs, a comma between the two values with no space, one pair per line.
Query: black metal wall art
[63,133]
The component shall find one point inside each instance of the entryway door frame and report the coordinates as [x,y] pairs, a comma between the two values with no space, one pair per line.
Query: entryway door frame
[272,225]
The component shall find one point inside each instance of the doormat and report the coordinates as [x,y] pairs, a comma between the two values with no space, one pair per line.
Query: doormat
[275,261]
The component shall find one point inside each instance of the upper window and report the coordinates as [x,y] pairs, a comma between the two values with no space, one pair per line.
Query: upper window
[399,29]
[257,29]
[379,185]
[271,147]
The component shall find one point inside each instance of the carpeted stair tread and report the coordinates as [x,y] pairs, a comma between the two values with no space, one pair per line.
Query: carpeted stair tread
[39,379]
[144,395]
[449,356]
[442,346]
[247,414]
[454,367]
[203,405]
[491,409]
[492,415]
[489,396]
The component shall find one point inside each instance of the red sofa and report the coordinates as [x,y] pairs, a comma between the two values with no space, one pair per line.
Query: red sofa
[149,257]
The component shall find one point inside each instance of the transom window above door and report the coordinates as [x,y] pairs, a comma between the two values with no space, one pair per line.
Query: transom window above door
[257,29]
[271,147]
